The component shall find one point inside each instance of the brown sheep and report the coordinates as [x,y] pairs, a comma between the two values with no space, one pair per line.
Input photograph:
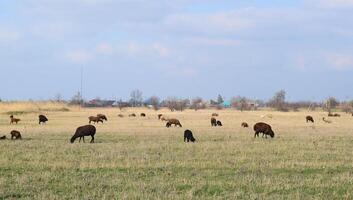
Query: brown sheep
[309,119]
[263,128]
[159,116]
[120,115]
[15,134]
[214,115]
[14,120]
[326,120]
[82,131]
[213,121]
[333,115]
[175,122]
[142,115]
[42,119]
[244,125]
[102,117]
[132,115]
[3,137]
[94,119]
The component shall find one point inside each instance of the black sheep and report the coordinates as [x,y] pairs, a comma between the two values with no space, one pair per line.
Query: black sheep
[213,121]
[143,115]
[15,134]
[3,137]
[244,125]
[309,119]
[42,119]
[82,131]
[219,123]
[188,136]
[263,128]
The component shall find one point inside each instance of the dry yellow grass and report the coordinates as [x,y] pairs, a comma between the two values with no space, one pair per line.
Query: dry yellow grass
[23,107]
[138,158]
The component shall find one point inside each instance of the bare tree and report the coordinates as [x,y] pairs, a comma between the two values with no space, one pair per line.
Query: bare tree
[241,103]
[122,104]
[171,103]
[76,99]
[196,103]
[58,98]
[136,98]
[346,107]
[331,103]
[174,103]
[278,101]
[154,101]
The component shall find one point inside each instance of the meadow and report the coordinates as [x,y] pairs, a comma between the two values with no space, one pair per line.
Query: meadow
[139,158]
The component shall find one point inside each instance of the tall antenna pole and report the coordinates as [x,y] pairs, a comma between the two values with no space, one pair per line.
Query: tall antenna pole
[81,96]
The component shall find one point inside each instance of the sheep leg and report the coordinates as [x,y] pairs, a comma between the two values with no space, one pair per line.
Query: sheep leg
[92,140]
[79,141]
[256,133]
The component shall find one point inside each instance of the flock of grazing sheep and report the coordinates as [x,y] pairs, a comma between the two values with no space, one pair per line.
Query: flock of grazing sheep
[90,130]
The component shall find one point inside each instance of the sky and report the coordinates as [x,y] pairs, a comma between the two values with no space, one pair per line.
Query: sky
[182,48]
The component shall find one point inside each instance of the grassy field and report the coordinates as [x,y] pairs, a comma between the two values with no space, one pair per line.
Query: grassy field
[138,158]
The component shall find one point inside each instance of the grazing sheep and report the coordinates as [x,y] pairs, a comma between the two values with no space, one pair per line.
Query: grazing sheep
[3,137]
[94,119]
[132,115]
[82,131]
[263,128]
[14,120]
[102,117]
[188,136]
[309,119]
[159,116]
[42,119]
[214,115]
[333,115]
[213,121]
[219,123]
[244,125]
[15,134]
[143,115]
[120,115]
[175,122]
[326,120]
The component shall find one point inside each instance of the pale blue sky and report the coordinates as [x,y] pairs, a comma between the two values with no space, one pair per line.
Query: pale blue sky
[183,48]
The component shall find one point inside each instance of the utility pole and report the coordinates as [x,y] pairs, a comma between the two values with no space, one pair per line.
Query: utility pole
[81,94]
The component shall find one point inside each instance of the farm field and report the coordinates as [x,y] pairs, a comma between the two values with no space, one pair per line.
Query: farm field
[139,158]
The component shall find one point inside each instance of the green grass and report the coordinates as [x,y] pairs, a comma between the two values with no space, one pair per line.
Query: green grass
[137,158]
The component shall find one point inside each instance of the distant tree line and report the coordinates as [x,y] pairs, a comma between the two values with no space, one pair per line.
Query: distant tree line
[277,102]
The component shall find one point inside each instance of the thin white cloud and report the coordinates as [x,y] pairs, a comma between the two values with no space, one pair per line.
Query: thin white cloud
[105,48]
[79,56]
[208,41]
[161,50]
[7,36]
[331,3]
[340,61]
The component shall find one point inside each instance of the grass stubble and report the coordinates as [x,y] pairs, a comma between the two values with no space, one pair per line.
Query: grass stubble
[138,158]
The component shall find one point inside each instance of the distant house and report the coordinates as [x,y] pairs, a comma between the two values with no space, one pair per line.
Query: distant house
[226,104]
[99,103]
